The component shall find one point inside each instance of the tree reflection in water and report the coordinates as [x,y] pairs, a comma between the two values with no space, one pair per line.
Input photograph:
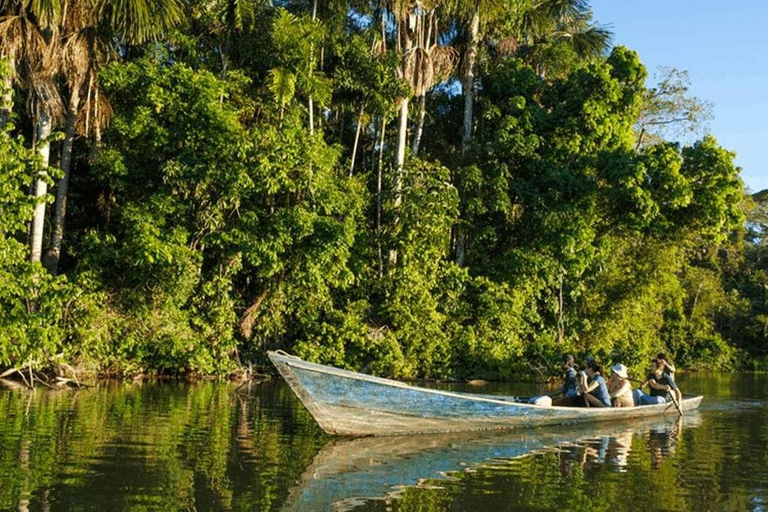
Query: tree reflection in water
[211,446]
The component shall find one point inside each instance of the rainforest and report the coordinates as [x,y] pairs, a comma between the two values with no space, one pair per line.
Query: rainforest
[434,189]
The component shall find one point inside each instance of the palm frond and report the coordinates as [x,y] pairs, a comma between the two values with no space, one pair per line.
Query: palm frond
[445,59]
[137,21]
[419,71]
[592,42]
[282,85]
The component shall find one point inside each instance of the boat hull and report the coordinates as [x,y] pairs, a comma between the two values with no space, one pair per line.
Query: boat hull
[346,403]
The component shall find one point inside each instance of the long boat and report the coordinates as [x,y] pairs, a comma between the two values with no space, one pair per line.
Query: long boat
[346,403]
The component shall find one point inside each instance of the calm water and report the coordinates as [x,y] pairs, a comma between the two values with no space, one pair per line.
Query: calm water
[211,446]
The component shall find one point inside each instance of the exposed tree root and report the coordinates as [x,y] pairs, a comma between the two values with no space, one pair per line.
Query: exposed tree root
[27,377]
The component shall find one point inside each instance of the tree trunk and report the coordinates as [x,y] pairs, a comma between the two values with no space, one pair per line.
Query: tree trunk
[6,96]
[378,194]
[357,139]
[96,147]
[469,78]
[310,103]
[41,187]
[311,115]
[420,124]
[560,313]
[52,256]
[461,244]
[695,301]
[402,137]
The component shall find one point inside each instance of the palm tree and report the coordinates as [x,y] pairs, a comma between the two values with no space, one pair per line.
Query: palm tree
[567,21]
[424,64]
[85,47]
[218,22]
[28,35]
[476,16]
[411,23]
[442,60]
[83,51]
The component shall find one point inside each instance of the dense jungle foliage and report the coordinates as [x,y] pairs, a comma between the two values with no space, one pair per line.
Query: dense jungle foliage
[440,189]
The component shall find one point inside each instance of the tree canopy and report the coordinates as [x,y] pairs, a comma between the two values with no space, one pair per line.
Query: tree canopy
[239,178]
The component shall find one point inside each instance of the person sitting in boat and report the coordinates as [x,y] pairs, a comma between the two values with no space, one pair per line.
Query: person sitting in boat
[569,391]
[619,387]
[660,385]
[595,390]
[669,370]
[668,367]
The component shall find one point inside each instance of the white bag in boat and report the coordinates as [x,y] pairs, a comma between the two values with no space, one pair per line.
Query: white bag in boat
[544,400]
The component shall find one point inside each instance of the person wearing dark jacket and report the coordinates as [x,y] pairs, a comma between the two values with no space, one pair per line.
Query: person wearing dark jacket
[569,391]
[661,384]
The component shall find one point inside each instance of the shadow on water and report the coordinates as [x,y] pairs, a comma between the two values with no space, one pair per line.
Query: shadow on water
[208,446]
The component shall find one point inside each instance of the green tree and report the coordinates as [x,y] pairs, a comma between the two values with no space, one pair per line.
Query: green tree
[668,111]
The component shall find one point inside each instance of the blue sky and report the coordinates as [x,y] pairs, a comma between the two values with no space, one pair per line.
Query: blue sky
[724,47]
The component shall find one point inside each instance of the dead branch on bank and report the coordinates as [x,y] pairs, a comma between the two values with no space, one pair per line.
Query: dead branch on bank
[13,378]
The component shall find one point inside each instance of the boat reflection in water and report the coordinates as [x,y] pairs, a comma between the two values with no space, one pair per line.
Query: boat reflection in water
[348,472]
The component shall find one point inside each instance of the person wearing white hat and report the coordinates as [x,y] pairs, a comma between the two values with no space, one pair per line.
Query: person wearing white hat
[619,387]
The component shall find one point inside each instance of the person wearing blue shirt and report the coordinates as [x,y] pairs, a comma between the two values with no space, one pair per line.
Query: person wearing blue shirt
[569,391]
[596,390]
[570,387]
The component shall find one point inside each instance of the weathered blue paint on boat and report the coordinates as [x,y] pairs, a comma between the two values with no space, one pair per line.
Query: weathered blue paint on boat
[354,404]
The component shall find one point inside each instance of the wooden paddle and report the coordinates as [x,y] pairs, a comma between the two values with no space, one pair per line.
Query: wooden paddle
[673,396]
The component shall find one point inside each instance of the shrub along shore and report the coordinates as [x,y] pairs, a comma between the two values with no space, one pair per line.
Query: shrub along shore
[419,191]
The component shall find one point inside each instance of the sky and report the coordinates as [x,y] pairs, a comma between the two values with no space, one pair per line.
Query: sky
[723,46]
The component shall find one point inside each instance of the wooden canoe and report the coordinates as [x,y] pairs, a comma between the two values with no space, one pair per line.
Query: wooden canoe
[346,403]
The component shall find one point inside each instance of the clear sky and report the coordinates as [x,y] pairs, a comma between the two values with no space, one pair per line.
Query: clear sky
[724,47]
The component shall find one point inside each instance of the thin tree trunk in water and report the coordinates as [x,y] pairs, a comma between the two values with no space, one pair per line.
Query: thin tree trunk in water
[378,194]
[469,79]
[357,139]
[52,256]
[25,493]
[6,99]
[420,124]
[41,187]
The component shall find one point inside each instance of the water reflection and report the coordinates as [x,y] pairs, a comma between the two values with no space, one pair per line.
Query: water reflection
[210,446]
[153,447]
[345,474]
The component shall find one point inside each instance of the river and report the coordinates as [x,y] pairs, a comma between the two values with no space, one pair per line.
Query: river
[217,446]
